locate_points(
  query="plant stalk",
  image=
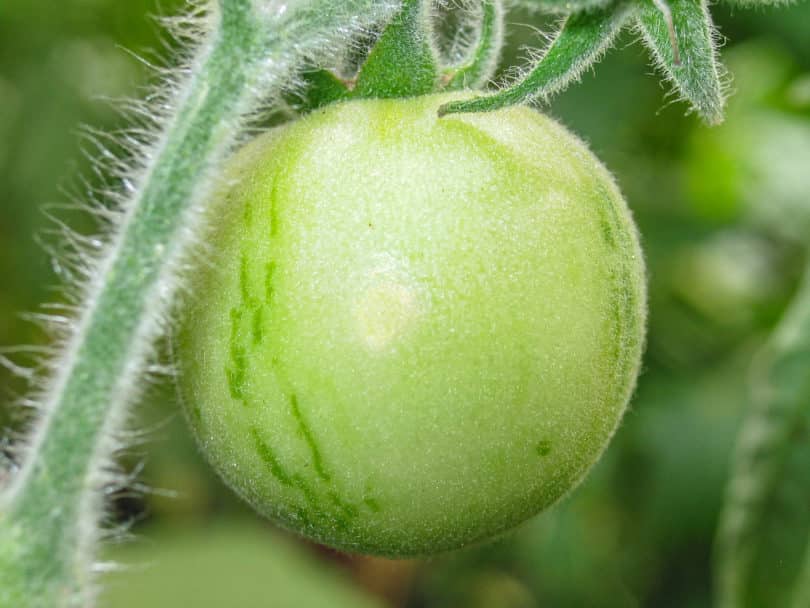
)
(51, 509)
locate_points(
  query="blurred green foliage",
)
(724, 215)
(261, 569)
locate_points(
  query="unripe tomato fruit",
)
(412, 333)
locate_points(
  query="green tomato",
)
(412, 333)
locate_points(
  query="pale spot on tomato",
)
(384, 312)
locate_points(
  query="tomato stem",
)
(51, 509)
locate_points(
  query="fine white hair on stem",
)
(235, 56)
(693, 70)
(663, 7)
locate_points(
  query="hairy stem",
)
(582, 39)
(50, 511)
(483, 61)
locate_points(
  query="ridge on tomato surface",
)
(412, 332)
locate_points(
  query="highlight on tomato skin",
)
(413, 333)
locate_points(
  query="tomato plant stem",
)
(50, 511)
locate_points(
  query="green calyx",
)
(405, 62)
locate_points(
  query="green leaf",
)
(762, 544)
(580, 42)
(683, 46)
(484, 59)
(403, 62)
(320, 88)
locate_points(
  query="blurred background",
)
(723, 214)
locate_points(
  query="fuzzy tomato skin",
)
(412, 333)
